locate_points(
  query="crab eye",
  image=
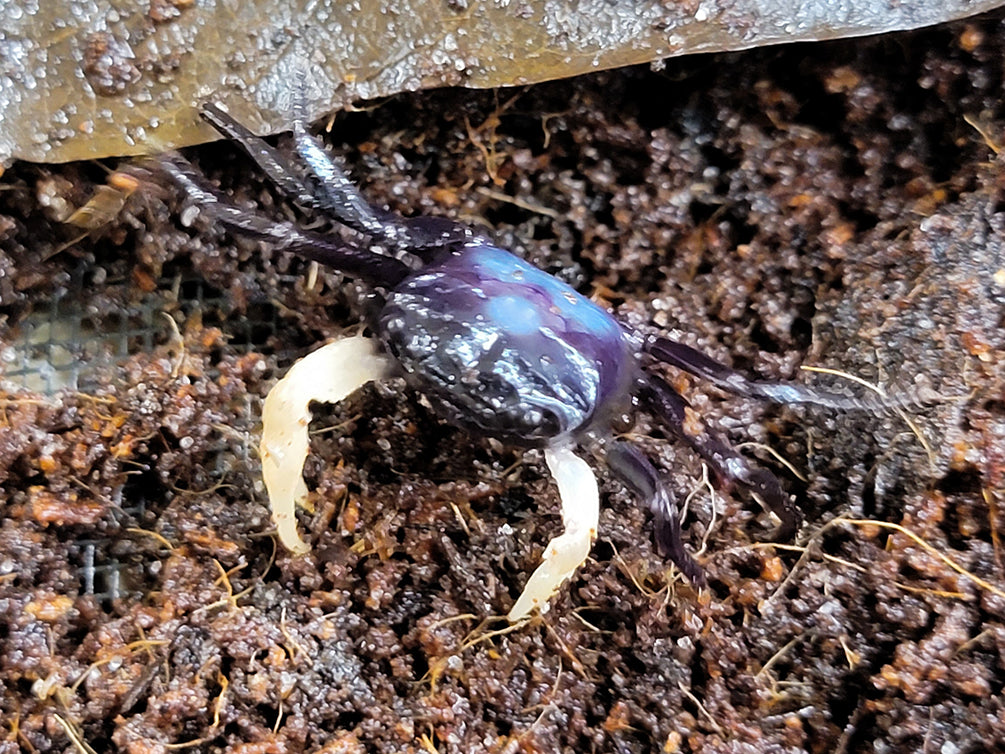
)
(506, 349)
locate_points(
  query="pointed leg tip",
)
(697, 577)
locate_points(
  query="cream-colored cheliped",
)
(326, 375)
(577, 488)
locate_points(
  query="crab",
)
(498, 347)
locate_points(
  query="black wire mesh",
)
(66, 345)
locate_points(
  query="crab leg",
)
(730, 467)
(269, 159)
(577, 488)
(638, 474)
(787, 393)
(329, 250)
(326, 375)
(335, 192)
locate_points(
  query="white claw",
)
(577, 488)
(326, 375)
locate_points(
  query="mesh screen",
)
(63, 344)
